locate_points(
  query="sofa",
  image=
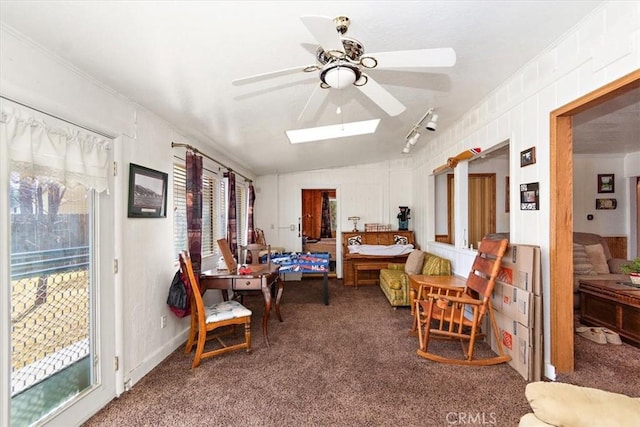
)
(592, 260)
(568, 405)
(394, 280)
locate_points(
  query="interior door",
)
(482, 206)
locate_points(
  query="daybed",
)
(559, 404)
(394, 280)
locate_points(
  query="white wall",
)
(373, 192)
(585, 192)
(146, 261)
(601, 48)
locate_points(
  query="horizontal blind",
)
(180, 242)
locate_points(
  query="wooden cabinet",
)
(370, 238)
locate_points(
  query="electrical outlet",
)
(163, 321)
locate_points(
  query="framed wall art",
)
(147, 193)
(606, 203)
(528, 157)
(606, 183)
(530, 197)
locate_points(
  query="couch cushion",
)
(581, 262)
(414, 262)
(597, 258)
(392, 278)
(569, 405)
(436, 266)
(592, 239)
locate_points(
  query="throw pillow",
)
(355, 240)
(581, 263)
(569, 405)
(400, 240)
(414, 262)
(597, 258)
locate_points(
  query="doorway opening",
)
(319, 222)
(561, 218)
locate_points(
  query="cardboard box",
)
(516, 304)
(516, 342)
(521, 268)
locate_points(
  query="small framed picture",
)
(606, 204)
(528, 157)
(606, 183)
(147, 193)
(530, 196)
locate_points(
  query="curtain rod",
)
(195, 150)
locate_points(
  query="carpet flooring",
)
(350, 363)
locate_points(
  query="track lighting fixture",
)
(413, 135)
(433, 123)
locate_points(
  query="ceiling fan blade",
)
(314, 101)
(324, 31)
(271, 74)
(440, 57)
(452, 162)
(380, 96)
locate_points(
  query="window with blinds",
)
(213, 210)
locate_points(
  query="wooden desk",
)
(611, 304)
(416, 281)
(264, 278)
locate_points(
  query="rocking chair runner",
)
(459, 315)
(206, 320)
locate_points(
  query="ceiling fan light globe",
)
(339, 77)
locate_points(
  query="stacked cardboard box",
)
(517, 305)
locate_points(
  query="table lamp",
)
(355, 220)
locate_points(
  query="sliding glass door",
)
(61, 294)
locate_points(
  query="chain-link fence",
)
(50, 323)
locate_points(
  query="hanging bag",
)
(179, 296)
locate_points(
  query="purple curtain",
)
(193, 165)
(325, 224)
(232, 235)
(250, 230)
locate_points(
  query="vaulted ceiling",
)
(178, 59)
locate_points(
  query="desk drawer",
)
(247, 284)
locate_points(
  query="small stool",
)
(367, 266)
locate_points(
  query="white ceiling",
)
(178, 58)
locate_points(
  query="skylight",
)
(332, 131)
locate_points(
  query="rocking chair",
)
(459, 315)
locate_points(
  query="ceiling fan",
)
(341, 62)
(452, 162)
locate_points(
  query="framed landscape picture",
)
(147, 193)
(606, 183)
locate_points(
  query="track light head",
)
(433, 123)
(413, 139)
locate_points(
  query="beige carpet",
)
(347, 364)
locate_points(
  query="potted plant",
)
(633, 270)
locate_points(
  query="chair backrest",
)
(259, 236)
(232, 264)
(485, 269)
(197, 305)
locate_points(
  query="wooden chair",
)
(208, 319)
(458, 314)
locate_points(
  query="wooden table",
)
(612, 304)
(263, 278)
(416, 281)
